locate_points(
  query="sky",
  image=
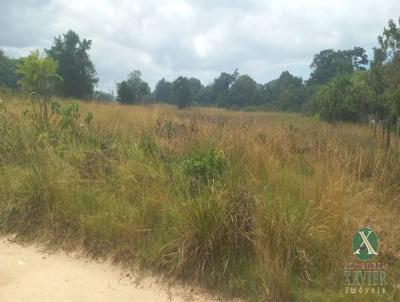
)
(196, 38)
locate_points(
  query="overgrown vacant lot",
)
(258, 205)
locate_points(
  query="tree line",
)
(344, 85)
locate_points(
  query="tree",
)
(195, 88)
(362, 94)
(345, 98)
(221, 86)
(205, 96)
(292, 92)
(358, 57)
(389, 41)
(392, 94)
(74, 65)
(330, 63)
(103, 96)
(242, 92)
(224, 81)
(162, 91)
(285, 93)
(385, 77)
(181, 92)
(133, 90)
(38, 74)
(376, 70)
(8, 76)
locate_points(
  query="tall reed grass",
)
(257, 205)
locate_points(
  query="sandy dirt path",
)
(29, 274)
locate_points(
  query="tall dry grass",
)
(257, 205)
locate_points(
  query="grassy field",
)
(261, 206)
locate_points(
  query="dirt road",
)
(31, 275)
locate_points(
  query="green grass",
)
(257, 205)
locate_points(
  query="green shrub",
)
(205, 166)
(148, 144)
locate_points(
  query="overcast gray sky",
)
(196, 38)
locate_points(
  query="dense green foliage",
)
(8, 76)
(195, 88)
(347, 98)
(74, 65)
(103, 96)
(242, 92)
(162, 91)
(329, 64)
(286, 93)
(182, 92)
(388, 66)
(38, 75)
(133, 90)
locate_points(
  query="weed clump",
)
(205, 166)
(148, 144)
(212, 239)
(171, 129)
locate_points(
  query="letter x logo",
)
(365, 244)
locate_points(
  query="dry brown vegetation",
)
(258, 205)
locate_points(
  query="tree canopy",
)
(133, 90)
(329, 63)
(195, 88)
(38, 74)
(389, 65)
(8, 76)
(285, 93)
(242, 91)
(162, 91)
(346, 98)
(352, 95)
(74, 65)
(181, 92)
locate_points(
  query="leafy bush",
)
(147, 144)
(38, 75)
(205, 166)
(344, 98)
(60, 118)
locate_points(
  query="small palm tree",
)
(38, 74)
